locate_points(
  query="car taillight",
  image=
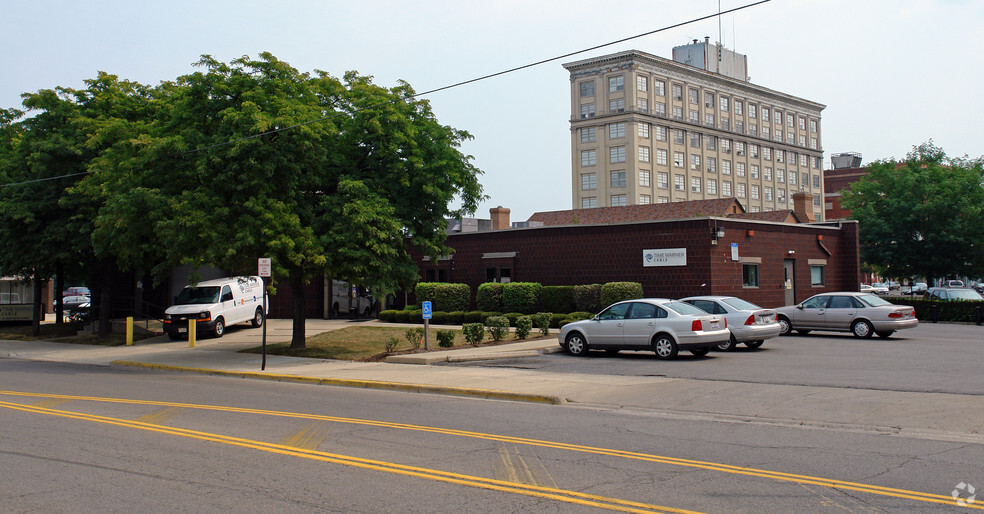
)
(725, 322)
(900, 314)
(695, 326)
(750, 320)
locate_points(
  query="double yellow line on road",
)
(713, 466)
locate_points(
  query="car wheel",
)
(784, 326)
(575, 344)
(665, 347)
(885, 333)
(754, 344)
(862, 328)
(257, 319)
(219, 328)
(728, 346)
(700, 352)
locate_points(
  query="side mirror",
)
(800, 306)
(595, 318)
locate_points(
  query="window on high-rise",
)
(642, 83)
(618, 201)
(589, 202)
(588, 88)
(616, 154)
(617, 178)
(616, 130)
(589, 181)
(587, 134)
(616, 83)
(588, 157)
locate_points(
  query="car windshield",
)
(684, 308)
(740, 304)
(198, 295)
(872, 300)
(965, 294)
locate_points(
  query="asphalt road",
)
(88, 438)
(943, 358)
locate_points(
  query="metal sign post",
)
(265, 268)
(428, 313)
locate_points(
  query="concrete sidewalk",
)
(925, 415)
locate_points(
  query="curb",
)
(423, 358)
(488, 394)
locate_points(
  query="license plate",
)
(715, 325)
(182, 330)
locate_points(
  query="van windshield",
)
(198, 295)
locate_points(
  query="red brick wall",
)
(572, 255)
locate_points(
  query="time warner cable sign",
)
(664, 257)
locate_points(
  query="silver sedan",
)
(862, 314)
(749, 323)
(655, 324)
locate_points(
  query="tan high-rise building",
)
(645, 129)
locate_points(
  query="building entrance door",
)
(789, 282)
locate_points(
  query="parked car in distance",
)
(954, 283)
(952, 294)
(76, 291)
(916, 289)
(659, 325)
(862, 314)
(865, 288)
(748, 323)
(879, 288)
(72, 302)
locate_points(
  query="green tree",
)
(921, 216)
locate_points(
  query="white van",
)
(342, 292)
(214, 305)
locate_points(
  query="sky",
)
(893, 74)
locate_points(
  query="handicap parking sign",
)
(427, 309)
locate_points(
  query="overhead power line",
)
(439, 89)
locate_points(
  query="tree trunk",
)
(57, 296)
(297, 294)
(105, 324)
(36, 316)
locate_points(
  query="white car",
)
(748, 323)
(862, 314)
(879, 288)
(659, 325)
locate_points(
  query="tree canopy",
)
(230, 163)
(921, 216)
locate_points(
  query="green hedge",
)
(521, 296)
(388, 316)
(489, 297)
(444, 296)
(929, 310)
(557, 299)
(614, 292)
(588, 298)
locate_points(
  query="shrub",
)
(388, 315)
(439, 317)
(555, 320)
(474, 332)
(392, 344)
(542, 321)
(444, 296)
(487, 315)
(512, 317)
(401, 317)
(557, 299)
(578, 316)
(613, 292)
(524, 325)
(489, 297)
(564, 322)
(498, 327)
(445, 338)
(455, 318)
(412, 307)
(414, 336)
(520, 296)
(415, 316)
(588, 297)
(473, 317)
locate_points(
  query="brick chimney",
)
(803, 207)
(500, 217)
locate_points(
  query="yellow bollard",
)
(192, 325)
(129, 331)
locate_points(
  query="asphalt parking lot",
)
(938, 358)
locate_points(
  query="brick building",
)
(673, 250)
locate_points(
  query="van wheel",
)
(219, 328)
(257, 318)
